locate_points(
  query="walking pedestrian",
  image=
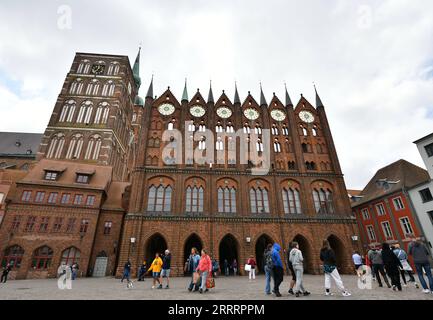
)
(75, 267)
(252, 273)
(268, 267)
(419, 253)
(126, 274)
(292, 271)
(375, 257)
(215, 267)
(156, 267)
(166, 264)
(142, 271)
(406, 269)
(194, 260)
(235, 267)
(357, 261)
(327, 256)
(5, 273)
(278, 270)
(226, 267)
(392, 264)
(297, 261)
(205, 270)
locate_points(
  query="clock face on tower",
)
(98, 69)
(224, 112)
(197, 111)
(251, 114)
(306, 116)
(166, 109)
(278, 115)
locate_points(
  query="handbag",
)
(210, 283)
(247, 267)
(406, 265)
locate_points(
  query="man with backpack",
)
(269, 265)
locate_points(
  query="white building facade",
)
(422, 195)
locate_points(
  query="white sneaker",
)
(426, 291)
(153, 287)
(329, 294)
(346, 294)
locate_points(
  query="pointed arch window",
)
(194, 199)
(259, 200)
(85, 112)
(227, 200)
(285, 131)
(277, 146)
(259, 146)
(304, 131)
(170, 125)
(291, 201)
(76, 86)
(219, 128)
(314, 130)
(274, 130)
(84, 67)
(113, 68)
(75, 147)
(70, 256)
(101, 114)
(323, 201)
(108, 88)
(230, 128)
(258, 129)
(41, 259)
(191, 127)
(247, 129)
(93, 148)
(202, 128)
(202, 144)
(56, 146)
(13, 256)
(159, 199)
(67, 113)
(219, 144)
(93, 87)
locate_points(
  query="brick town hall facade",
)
(103, 189)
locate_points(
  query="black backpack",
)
(268, 259)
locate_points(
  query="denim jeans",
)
(268, 275)
(203, 280)
(427, 268)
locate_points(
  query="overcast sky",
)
(371, 60)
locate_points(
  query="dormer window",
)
(83, 178)
(51, 175)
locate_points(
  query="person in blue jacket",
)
(194, 260)
(278, 270)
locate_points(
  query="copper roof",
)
(406, 174)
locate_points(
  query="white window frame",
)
(365, 214)
(396, 200)
(404, 226)
(380, 212)
(370, 232)
(387, 230)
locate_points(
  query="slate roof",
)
(407, 174)
(19, 144)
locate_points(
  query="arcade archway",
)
(261, 244)
(305, 247)
(228, 250)
(155, 244)
(338, 247)
(193, 241)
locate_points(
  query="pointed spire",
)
(210, 96)
(262, 97)
(318, 100)
(136, 69)
(236, 100)
(288, 100)
(185, 93)
(149, 93)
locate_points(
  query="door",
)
(100, 267)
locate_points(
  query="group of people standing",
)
(273, 266)
(392, 261)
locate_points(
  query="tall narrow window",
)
(84, 67)
(41, 258)
(226, 200)
(93, 148)
(56, 146)
(194, 199)
(323, 201)
(75, 146)
(159, 199)
(259, 200)
(85, 112)
(67, 113)
(291, 201)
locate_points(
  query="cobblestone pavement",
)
(231, 288)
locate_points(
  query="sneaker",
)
(291, 292)
(394, 288)
(201, 290)
(329, 294)
(160, 286)
(153, 287)
(346, 294)
(426, 291)
(189, 289)
(405, 285)
(306, 293)
(167, 287)
(277, 294)
(297, 294)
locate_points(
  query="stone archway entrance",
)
(305, 247)
(338, 247)
(155, 243)
(193, 241)
(261, 244)
(228, 251)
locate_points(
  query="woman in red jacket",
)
(205, 269)
(252, 262)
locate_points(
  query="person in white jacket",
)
(297, 260)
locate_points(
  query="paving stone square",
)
(231, 288)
